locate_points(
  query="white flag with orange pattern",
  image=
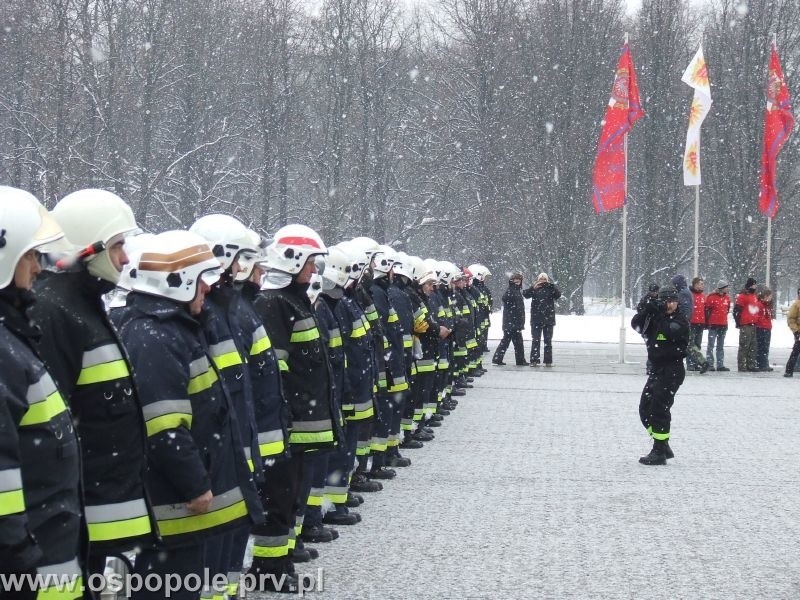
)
(695, 76)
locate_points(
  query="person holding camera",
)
(513, 322)
(543, 294)
(793, 321)
(666, 332)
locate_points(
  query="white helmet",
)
(479, 271)
(402, 265)
(172, 263)
(24, 225)
(431, 264)
(357, 258)
(291, 247)
(384, 260)
(227, 236)
(338, 266)
(448, 272)
(366, 245)
(134, 246)
(428, 276)
(418, 266)
(315, 284)
(245, 260)
(93, 216)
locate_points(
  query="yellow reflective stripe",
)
(68, 591)
(271, 551)
(425, 368)
(335, 342)
(358, 332)
(271, 448)
(119, 529)
(400, 387)
(408, 343)
(304, 336)
(314, 500)
(202, 382)
(261, 345)
(229, 359)
(310, 437)
(168, 421)
(12, 502)
(44, 411)
(393, 318)
(361, 413)
(199, 522)
(105, 372)
(282, 365)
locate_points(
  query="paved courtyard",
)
(532, 489)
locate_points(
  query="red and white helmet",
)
(291, 248)
(171, 265)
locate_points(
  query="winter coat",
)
(717, 307)
(40, 506)
(226, 343)
(357, 402)
(193, 436)
(685, 300)
(543, 303)
(698, 309)
(331, 330)
(392, 334)
(269, 405)
(766, 313)
(793, 317)
(464, 322)
(745, 308)
(83, 352)
(666, 336)
(405, 319)
(513, 308)
(303, 358)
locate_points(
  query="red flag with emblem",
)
(624, 109)
(778, 125)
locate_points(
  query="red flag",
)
(622, 112)
(778, 124)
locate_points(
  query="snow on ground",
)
(532, 489)
(601, 323)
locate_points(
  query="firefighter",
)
(88, 361)
(199, 481)
(40, 508)
(285, 310)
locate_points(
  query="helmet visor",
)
(211, 276)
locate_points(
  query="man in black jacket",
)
(666, 332)
(513, 322)
(543, 294)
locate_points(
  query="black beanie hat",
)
(667, 293)
(750, 284)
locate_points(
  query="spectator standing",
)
(513, 322)
(793, 321)
(717, 307)
(766, 312)
(697, 322)
(745, 311)
(543, 294)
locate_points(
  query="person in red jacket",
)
(745, 311)
(717, 308)
(766, 312)
(697, 322)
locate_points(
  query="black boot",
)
(668, 451)
(657, 456)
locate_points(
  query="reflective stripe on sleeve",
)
(44, 400)
(167, 414)
(116, 521)
(105, 363)
(176, 519)
(261, 341)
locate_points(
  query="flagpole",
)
(769, 219)
(622, 329)
(697, 231)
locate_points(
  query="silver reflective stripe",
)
(224, 347)
(248, 453)
(198, 367)
(10, 480)
(304, 324)
(270, 436)
(259, 334)
(362, 406)
(70, 567)
(166, 512)
(330, 490)
(166, 407)
(406, 337)
(335, 333)
(281, 354)
(121, 511)
(103, 354)
(300, 426)
(39, 391)
(358, 323)
(270, 541)
(399, 380)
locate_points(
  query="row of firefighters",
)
(174, 394)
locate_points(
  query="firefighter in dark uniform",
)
(429, 332)
(285, 310)
(88, 361)
(230, 340)
(666, 332)
(396, 383)
(198, 478)
(40, 507)
(438, 308)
